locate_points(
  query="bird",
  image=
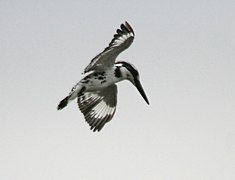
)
(96, 93)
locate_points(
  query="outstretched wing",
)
(98, 107)
(121, 41)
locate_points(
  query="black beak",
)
(141, 90)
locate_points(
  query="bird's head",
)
(128, 71)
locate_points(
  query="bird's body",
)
(97, 91)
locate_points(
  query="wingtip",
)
(129, 27)
(126, 23)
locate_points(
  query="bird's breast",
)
(99, 80)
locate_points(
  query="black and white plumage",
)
(121, 41)
(96, 93)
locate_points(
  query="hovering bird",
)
(96, 93)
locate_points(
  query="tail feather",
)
(77, 90)
(63, 103)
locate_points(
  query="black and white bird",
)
(96, 93)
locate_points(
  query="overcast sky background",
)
(185, 53)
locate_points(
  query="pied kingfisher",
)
(96, 93)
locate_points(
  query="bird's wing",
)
(98, 107)
(121, 41)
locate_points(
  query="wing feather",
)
(120, 42)
(98, 108)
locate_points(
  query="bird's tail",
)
(63, 103)
(76, 90)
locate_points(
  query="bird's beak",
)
(141, 90)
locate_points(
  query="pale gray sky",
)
(184, 51)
